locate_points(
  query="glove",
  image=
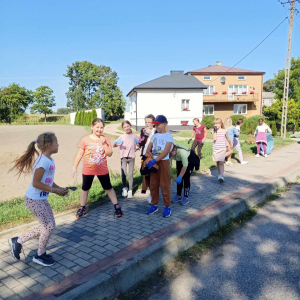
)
(118, 142)
(179, 179)
(151, 163)
(59, 191)
(215, 128)
(136, 141)
(189, 141)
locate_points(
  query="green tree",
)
(269, 85)
(274, 128)
(14, 100)
(44, 100)
(63, 111)
(294, 83)
(94, 86)
(76, 118)
(94, 113)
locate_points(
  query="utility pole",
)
(287, 70)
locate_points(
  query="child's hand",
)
(215, 128)
(102, 140)
(151, 163)
(189, 141)
(74, 172)
(179, 179)
(136, 141)
(204, 140)
(118, 142)
(60, 191)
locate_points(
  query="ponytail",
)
(25, 163)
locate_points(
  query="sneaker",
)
(185, 201)
(266, 155)
(167, 212)
(118, 211)
(256, 155)
(129, 195)
(221, 179)
(81, 212)
(176, 199)
(244, 162)
(228, 163)
(149, 199)
(153, 209)
(44, 260)
(15, 247)
(125, 192)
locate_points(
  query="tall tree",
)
(14, 100)
(63, 111)
(93, 86)
(44, 100)
(269, 85)
(294, 84)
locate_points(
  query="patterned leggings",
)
(42, 211)
(199, 144)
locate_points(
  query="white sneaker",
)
(129, 195)
(149, 199)
(244, 162)
(256, 155)
(221, 179)
(125, 192)
(228, 163)
(266, 155)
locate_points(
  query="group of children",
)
(157, 149)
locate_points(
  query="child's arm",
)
(166, 152)
(236, 132)
(228, 140)
(77, 161)
(107, 147)
(205, 135)
(193, 134)
(149, 149)
(36, 183)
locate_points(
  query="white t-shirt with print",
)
(48, 165)
(159, 141)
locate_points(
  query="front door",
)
(230, 91)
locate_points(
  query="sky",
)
(140, 40)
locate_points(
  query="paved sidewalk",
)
(85, 248)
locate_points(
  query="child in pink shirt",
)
(127, 142)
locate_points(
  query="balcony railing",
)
(231, 98)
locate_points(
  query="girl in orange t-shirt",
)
(94, 148)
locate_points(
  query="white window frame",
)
(241, 77)
(209, 91)
(207, 78)
(204, 106)
(238, 109)
(185, 103)
(237, 87)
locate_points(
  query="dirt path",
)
(15, 139)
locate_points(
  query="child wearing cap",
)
(160, 145)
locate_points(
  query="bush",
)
(247, 127)
(297, 127)
(234, 118)
(208, 121)
(94, 114)
(274, 128)
(254, 120)
(63, 111)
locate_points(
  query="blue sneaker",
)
(153, 209)
(185, 201)
(176, 199)
(167, 212)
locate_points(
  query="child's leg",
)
(194, 145)
(229, 152)
(179, 186)
(131, 162)
(265, 148)
(124, 171)
(42, 211)
(187, 180)
(154, 185)
(221, 168)
(165, 184)
(200, 145)
(258, 147)
(87, 181)
(239, 150)
(106, 185)
(218, 166)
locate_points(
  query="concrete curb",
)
(123, 276)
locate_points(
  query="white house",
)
(268, 98)
(99, 111)
(177, 96)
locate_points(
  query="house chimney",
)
(176, 72)
(218, 63)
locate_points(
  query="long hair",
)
(219, 121)
(126, 122)
(227, 123)
(24, 163)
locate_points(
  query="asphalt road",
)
(259, 261)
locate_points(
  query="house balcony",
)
(231, 98)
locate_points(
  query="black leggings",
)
(186, 183)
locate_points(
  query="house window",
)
(238, 89)
(209, 91)
(240, 109)
(206, 78)
(208, 110)
(185, 104)
(241, 77)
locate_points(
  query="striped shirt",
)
(220, 142)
